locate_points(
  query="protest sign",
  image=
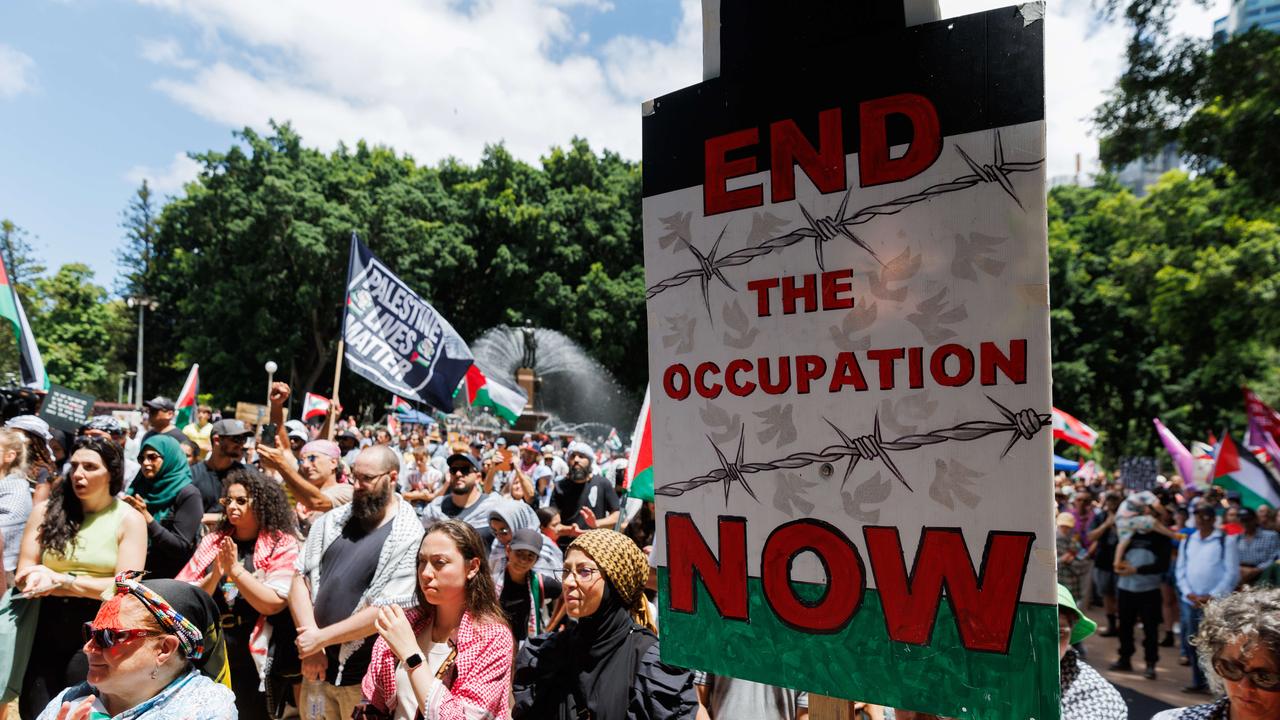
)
(66, 409)
(395, 339)
(1138, 472)
(252, 413)
(847, 301)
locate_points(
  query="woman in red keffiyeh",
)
(449, 658)
(247, 566)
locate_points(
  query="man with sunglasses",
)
(226, 442)
(466, 500)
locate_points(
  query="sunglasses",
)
(1265, 680)
(106, 638)
(241, 501)
(461, 470)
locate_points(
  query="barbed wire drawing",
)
(825, 229)
(1021, 425)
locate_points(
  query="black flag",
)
(395, 339)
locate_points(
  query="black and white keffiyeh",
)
(1086, 695)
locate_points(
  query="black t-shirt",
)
(346, 569)
(517, 602)
(171, 541)
(570, 497)
(1105, 557)
(209, 482)
(240, 606)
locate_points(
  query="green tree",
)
(73, 326)
(141, 226)
(249, 262)
(1162, 306)
(20, 262)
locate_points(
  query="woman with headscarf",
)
(247, 566)
(72, 548)
(448, 658)
(1238, 646)
(505, 519)
(170, 504)
(605, 666)
(154, 652)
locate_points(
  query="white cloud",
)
(166, 51)
(431, 78)
(168, 180)
(17, 71)
(442, 77)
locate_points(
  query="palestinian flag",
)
(507, 403)
(314, 405)
(400, 405)
(1241, 472)
(640, 464)
(186, 402)
(1071, 430)
(30, 362)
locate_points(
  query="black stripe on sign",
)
(980, 71)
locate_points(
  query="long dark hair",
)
(39, 457)
(64, 513)
(481, 595)
(269, 506)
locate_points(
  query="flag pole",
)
(337, 379)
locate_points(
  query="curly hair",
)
(1251, 615)
(270, 506)
(64, 514)
(38, 457)
(481, 594)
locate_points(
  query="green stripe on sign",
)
(860, 662)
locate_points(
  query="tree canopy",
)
(249, 262)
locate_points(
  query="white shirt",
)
(406, 700)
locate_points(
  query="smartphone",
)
(504, 462)
(269, 435)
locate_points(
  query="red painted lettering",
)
(1013, 365)
(875, 167)
(675, 382)
(886, 358)
(847, 372)
(731, 371)
(938, 365)
(719, 170)
(761, 288)
(806, 291)
(808, 369)
(688, 557)
(824, 165)
(835, 282)
(983, 603)
(711, 391)
(846, 578)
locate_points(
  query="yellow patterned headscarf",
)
(623, 565)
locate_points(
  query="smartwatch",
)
(413, 661)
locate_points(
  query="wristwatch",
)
(413, 661)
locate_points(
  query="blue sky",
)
(97, 94)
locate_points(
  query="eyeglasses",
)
(106, 638)
(241, 501)
(501, 533)
(1262, 679)
(582, 573)
(368, 479)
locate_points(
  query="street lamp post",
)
(142, 302)
(130, 375)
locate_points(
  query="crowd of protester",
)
(443, 575)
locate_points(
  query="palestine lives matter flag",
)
(187, 399)
(30, 362)
(1241, 472)
(395, 339)
(506, 402)
(846, 271)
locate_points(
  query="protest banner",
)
(252, 413)
(847, 299)
(66, 409)
(1138, 472)
(395, 339)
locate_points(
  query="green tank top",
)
(94, 550)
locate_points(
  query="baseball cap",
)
(464, 457)
(527, 539)
(349, 435)
(546, 452)
(230, 427)
(297, 430)
(105, 423)
(1066, 519)
(159, 402)
(501, 442)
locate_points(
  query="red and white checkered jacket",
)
(480, 686)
